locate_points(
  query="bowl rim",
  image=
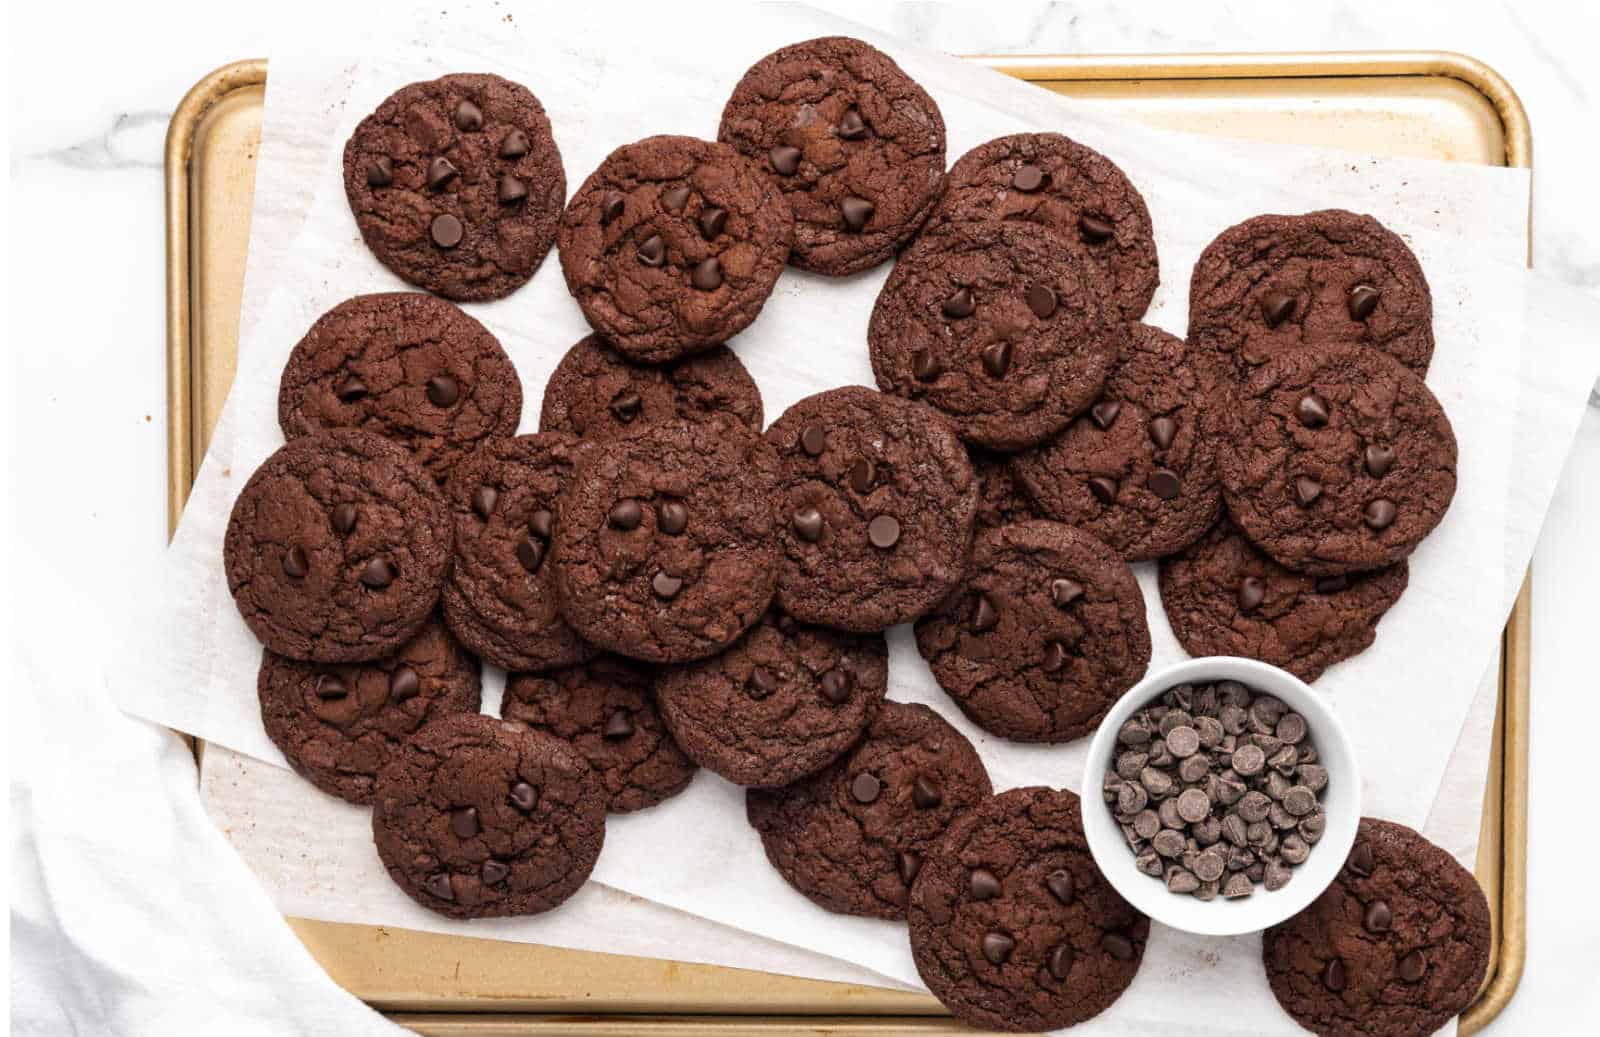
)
(1260, 910)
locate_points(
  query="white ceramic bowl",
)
(1341, 802)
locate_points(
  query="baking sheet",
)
(1473, 377)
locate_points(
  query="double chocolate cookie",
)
(666, 546)
(1337, 459)
(605, 709)
(1397, 945)
(1223, 596)
(500, 600)
(338, 725)
(457, 185)
(673, 245)
(1000, 326)
(853, 837)
(1045, 634)
(1273, 284)
(407, 366)
(596, 392)
(1136, 471)
(875, 509)
(1072, 190)
(856, 146)
(337, 548)
(1012, 925)
(479, 818)
(784, 701)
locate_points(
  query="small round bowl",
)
(1341, 803)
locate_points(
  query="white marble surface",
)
(93, 85)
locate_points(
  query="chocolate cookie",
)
(1337, 459)
(853, 837)
(501, 598)
(337, 548)
(1001, 500)
(666, 549)
(479, 818)
(855, 144)
(998, 327)
(1223, 596)
(407, 366)
(338, 725)
(1136, 470)
(457, 185)
(1071, 190)
(1012, 925)
(1397, 945)
(672, 246)
(1045, 634)
(605, 709)
(875, 511)
(1273, 284)
(596, 392)
(783, 702)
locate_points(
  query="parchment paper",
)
(1511, 370)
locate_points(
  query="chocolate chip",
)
(1252, 591)
(625, 406)
(1276, 307)
(984, 616)
(807, 524)
(469, 117)
(1378, 917)
(862, 476)
(761, 683)
(1105, 412)
(1060, 961)
(673, 199)
(1118, 946)
(707, 274)
(446, 231)
(665, 584)
(344, 518)
(330, 687)
(1042, 301)
(1248, 760)
(1059, 882)
(618, 725)
(909, 864)
(464, 822)
(493, 872)
(1064, 592)
(1094, 229)
(813, 440)
(611, 207)
(441, 172)
(997, 358)
(1104, 489)
(1182, 741)
(1379, 459)
(784, 159)
(1163, 431)
(672, 517)
(851, 125)
(1379, 513)
(1360, 860)
(530, 554)
(1239, 884)
(541, 523)
(1413, 967)
(925, 794)
(442, 390)
(352, 389)
(378, 574)
(883, 532)
(438, 884)
(1333, 976)
(625, 514)
(484, 499)
(959, 304)
(835, 685)
(1180, 880)
(380, 172)
(1306, 490)
(1055, 657)
(515, 145)
(295, 562)
(712, 222)
(404, 684)
(856, 212)
(510, 190)
(653, 251)
(1028, 178)
(1363, 300)
(982, 884)
(1164, 483)
(1312, 411)
(925, 367)
(865, 787)
(997, 947)
(523, 796)
(1332, 584)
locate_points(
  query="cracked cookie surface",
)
(500, 599)
(337, 548)
(1042, 637)
(479, 817)
(672, 246)
(1001, 498)
(1396, 946)
(1012, 925)
(605, 708)
(853, 836)
(456, 185)
(856, 146)
(782, 702)
(998, 326)
(338, 725)
(407, 366)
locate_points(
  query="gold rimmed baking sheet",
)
(1420, 104)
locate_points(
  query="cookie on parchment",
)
(407, 366)
(337, 548)
(457, 185)
(853, 836)
(855, 144)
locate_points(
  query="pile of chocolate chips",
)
(1216, 789)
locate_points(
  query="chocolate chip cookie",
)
(1136, 470)
(1012, 925)
(666, 549)
(1338, 459)
(1045, 634)
(1071, 190)
(856, 146)
(672, 246)
(1396, 946)
(783, 702)
(501, 598)
(596, 392)
(457, 185)
(1223, 596)
(875, 509)
(479, 818)
(1273, 284)
(338, 725)
(337, 548)
(407, 366)
(996, 325)
(606, 710)
(853, 837)
(1001, 499)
